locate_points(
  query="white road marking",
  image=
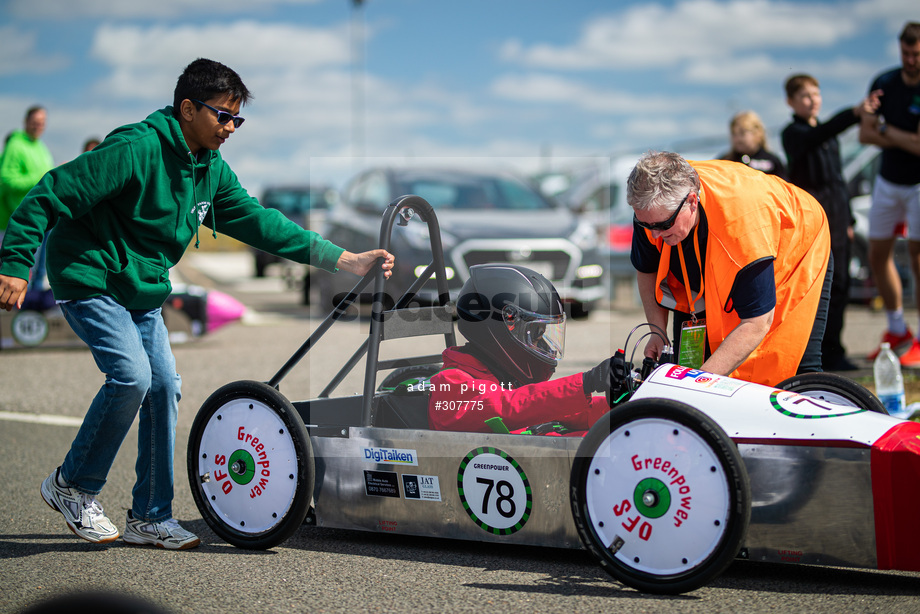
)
(40, 419)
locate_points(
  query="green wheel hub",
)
(242, 467)
(652, 498)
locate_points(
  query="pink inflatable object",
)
(222, 310)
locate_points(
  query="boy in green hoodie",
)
(119, 218)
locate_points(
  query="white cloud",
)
(538, 88)
(302, 82)
(242, 43)
(146, 61)
(764, 68)
(651, 35)
(894, 12)
(700, 61)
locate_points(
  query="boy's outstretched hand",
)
(12, 292)
(361, 263)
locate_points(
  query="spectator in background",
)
(813, 154)
(25, 159)
(90, 144)
(896, 194)
(749, 145)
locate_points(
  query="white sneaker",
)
(82, 512)
(164, 534)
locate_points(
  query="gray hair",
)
(660, 179)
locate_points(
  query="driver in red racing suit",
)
(513, 321)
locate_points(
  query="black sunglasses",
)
(665, 225)
(222, 116)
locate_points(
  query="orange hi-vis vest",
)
(753, 216)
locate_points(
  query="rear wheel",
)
(660, 496)
(250, 465)
(834, 389)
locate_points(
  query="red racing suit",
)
(465, 393)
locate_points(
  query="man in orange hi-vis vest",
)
(749, 277)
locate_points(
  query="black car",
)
(305, 205)
(484, 217)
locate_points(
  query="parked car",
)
(598, 195)
(305, 205)
(484, 217)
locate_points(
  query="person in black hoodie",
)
(749, 145)
(813, 154)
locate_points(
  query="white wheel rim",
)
(685, 514)
(248, 466)
(828, 395)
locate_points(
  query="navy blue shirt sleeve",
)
(754, 291)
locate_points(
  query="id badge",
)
(692, 344)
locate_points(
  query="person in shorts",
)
(896, 194)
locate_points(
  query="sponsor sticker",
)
(392, 456)
(696, 379)
(381, 484)
(421, 487)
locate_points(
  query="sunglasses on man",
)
(222, 116)
(665, 225)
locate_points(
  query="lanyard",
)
(683, 267)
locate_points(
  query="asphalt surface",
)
(325, 570)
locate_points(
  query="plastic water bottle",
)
(889, 383)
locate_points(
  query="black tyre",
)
(660, 496)
(833, 388)
(250, 465)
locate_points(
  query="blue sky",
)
(539, 81)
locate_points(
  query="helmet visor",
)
(541, 334)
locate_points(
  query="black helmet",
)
(513, 316)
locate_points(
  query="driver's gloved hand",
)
(597, 379)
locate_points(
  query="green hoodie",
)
(123, 214)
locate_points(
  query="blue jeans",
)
(131, 347)
(38, 280)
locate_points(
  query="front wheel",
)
(660, 496)
(250, 465)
